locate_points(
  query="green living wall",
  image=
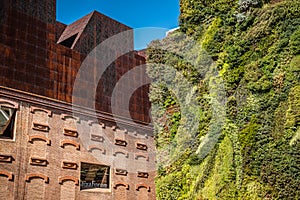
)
(247, 145)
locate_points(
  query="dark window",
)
(94, 176)
(69, 41)
(7, 121)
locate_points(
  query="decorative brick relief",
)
(40, 127)
(93, 147)
(66, 116)
(9, 175)
(140, 135)
(118, 184)
(141, 146)
(38, 161)
(41, 176)
(70, 142)
(69, 165)
(6, 158)
(138, 186)
(114, 128)
(91, 122)
(9, 104)
(120, 142)
(39, 137)
(122, 131)
(126, 154)
(141, 155)
(122, 172)
(70, 133)
(143, 175)
(33, 109)
(68, 178)
(97, 138)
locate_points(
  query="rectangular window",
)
(93, 176)
(7, 121)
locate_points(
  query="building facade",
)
(56, 142)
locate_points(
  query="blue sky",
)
(150, 19)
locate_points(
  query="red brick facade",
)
(40, 60)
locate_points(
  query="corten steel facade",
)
(42, 152)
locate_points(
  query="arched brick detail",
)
(122, 172)
(97, 138)
(121, 152)
(138, 155)
(6, 158)
(38, 161)
(8, 103)
(94, 147)
(120, 142)
(41, 176)
(136, 134)
(123, 131)
(68, 178)
(141, 146)
(66, 116)
(70, 142)
(33, 109)
(91, 122)
(138, 186)
(9, 175)
(118, 184)
(40, 127)
(69, 165)
(39, 137)
(143, 174)
(71, 133)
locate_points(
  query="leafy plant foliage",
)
(255, 46)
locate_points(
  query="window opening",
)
(7, 120)
(94, 176)
(69, 41)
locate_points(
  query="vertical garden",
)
(226, 101)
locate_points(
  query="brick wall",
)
(41, 135)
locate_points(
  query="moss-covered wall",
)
(255, 46)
